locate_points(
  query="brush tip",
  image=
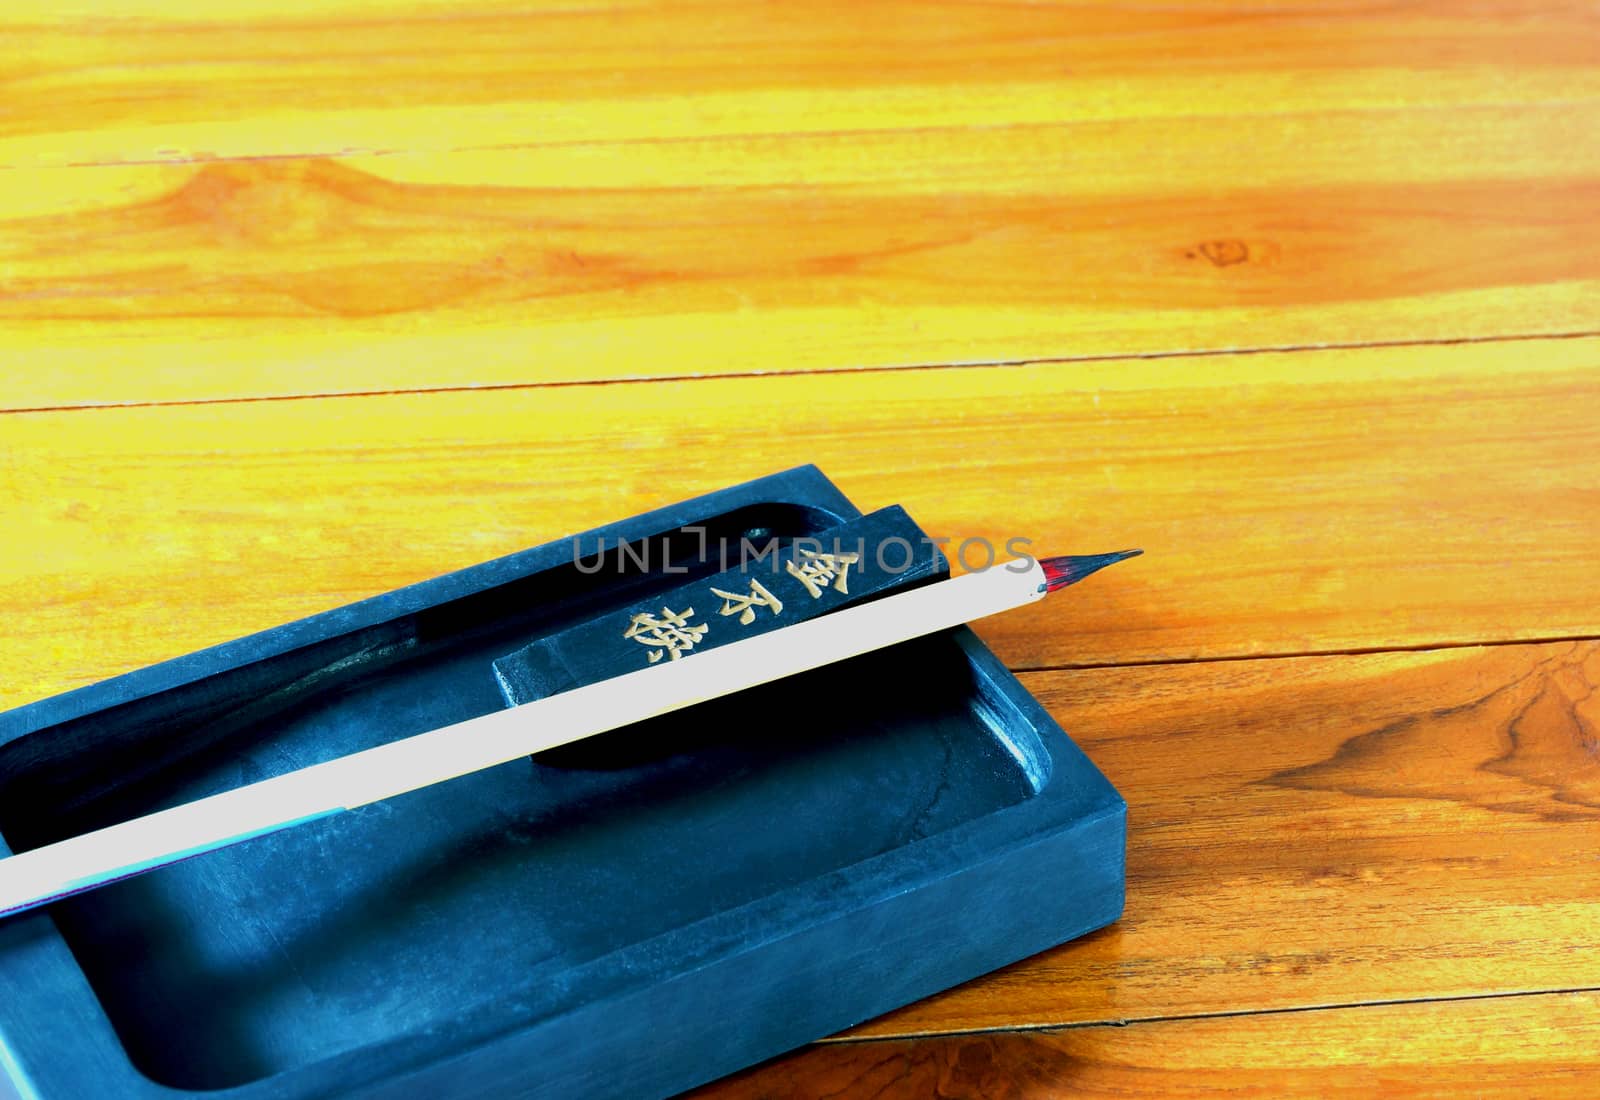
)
(1060, 572)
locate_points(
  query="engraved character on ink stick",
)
(671, 633)
(745, 606)
(821, 569)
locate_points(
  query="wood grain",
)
(178, 79)
(1292, 503)
(672, 236)
(795, 253)
(1515, 1047)
(1325, 831)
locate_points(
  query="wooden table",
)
(317, 298)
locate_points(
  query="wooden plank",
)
(1515, 1047)
(1323, 831)
(796, 253)
(175, 79)
(1288, 503)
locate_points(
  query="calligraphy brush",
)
(107, 855)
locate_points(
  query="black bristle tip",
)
(1060, 572)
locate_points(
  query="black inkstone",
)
(681, 899)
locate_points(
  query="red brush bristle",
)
(1060, 572)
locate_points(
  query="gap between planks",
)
(1289, 655)
(994, 364)
(1225, 1014)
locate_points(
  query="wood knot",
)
(274, 202)
(1223, 253)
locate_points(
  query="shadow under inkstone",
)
(910, 682)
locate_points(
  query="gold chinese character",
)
(671, 632)
(745, 606)
(819, 569)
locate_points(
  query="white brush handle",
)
(120, 851)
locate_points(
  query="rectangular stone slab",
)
(695, 894)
